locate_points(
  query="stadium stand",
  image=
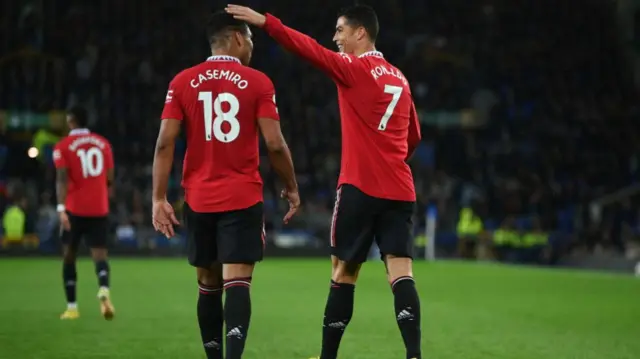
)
(528, 108)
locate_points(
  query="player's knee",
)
(398, 267)
(210, 278)
(237, 270)
(69, 255)
(334, 263)
(345, 272)
(99, 254)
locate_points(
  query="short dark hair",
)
(220, 22)
(362, 15)
(80, 115)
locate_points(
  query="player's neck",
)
(78, 131)
(364, 49)
(218, 52)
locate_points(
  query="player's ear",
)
(361, 33)
(238, 38)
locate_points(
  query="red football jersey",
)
(86, 156)
(220, 101)
(380, 127)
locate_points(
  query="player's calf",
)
(210, 315)
(237, 307)
(102, 269)
(339, 309)
(69, 279)
(406, 303)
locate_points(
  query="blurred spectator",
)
(470, 232)
(14, 223)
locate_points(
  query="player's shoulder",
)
(256, 75)
(375, 63)
(349, 59)
(368, 58)
(64, 141)
(381, 64)
(381, 67)
(187, 73)
(100, 138)
(61, 148)
(213, 69)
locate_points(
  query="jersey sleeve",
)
(108, 156)
(340, 67)
(172, 106)
(58, 157)
(266, 107)
(414, 136)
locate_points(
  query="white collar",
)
(373, 53)
(79, 131)
(223, 58)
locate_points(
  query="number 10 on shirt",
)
(91, 161)
(213, 108)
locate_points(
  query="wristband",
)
(60, 208)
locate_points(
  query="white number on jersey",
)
(92, 162)
(215, 124)
(396, 91)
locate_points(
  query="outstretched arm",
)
(337, 65)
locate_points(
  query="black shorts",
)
(94, 230)
(226, 237)
(359, 219)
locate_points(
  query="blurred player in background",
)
(84, 167)
(376, 194)
(222, 104)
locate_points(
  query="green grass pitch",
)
(470, 311)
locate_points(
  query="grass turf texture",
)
(470, 311)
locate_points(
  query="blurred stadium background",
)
(529, 112)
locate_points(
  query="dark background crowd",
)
(528, 109)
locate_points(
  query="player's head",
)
(357, 28)
(77, 117)
(229, 36)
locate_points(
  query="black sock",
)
(407, 305)
(102, 271)
(69, 278)
(237, 315)
(337, 315)
(210, 320)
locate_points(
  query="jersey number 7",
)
(396, 91)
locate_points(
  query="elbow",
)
(414, 144)
(163, 147)
(276, 146)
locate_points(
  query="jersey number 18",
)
(214, 125)
(212, 107)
